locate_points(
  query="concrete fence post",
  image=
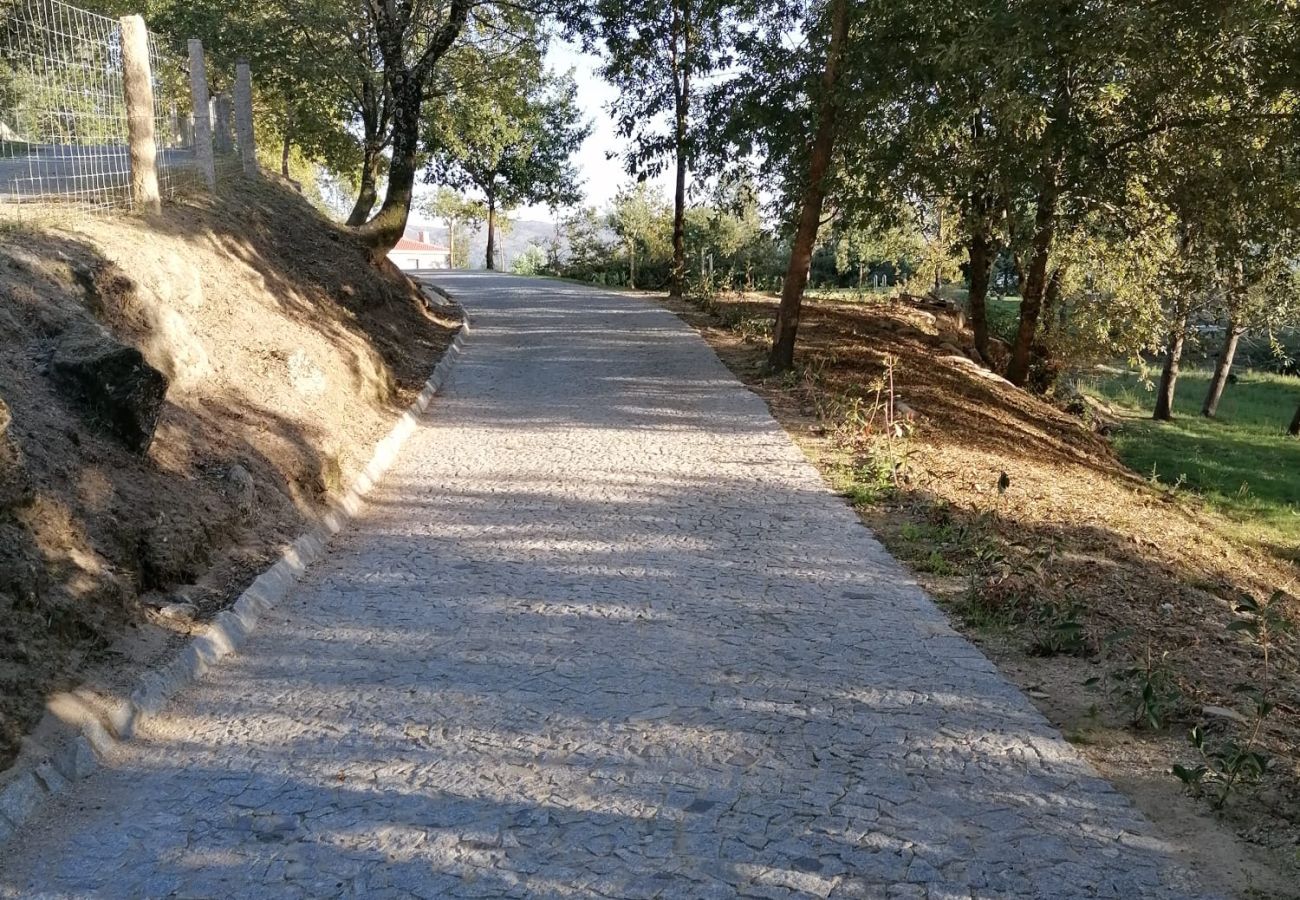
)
(202, 114)
(223, 112)
(137, 80)
(244, 118)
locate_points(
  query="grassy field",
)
(1243, 462)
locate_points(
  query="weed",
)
(1058, 630)
(735, 318)
(936, 564)
(1154, 689)
(872, 429)
(1148, 685)
(1235, 761)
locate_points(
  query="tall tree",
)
(511, 142)
(460, 214)
(812, 189)
(656, 52)
(635, 216)
(411, 38)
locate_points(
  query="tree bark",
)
(491, 233)
(1164, 410)
(1035, 285)
(392, 24)
(1221, 368)
(368, 190)
(375, 111)
(980, 251)
(810, 213)
(383, 231)
(1294, 428)
(285, 147)
(682, 89)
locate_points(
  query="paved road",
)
(77, 170)
(603, 633)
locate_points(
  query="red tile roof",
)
(408, 245)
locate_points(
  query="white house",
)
(419, 252)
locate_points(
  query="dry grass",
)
(287, 354)
(1146, 573)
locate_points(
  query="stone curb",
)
(85, 728)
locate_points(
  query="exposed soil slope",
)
(288, 356)
(1149, 576)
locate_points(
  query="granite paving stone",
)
(603, 631)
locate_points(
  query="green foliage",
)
(643, 224)
(1233, 761)
(531, 262)
(509, 138)
(588, 256)
(1148, 685)
(654, 54)
(306, 64)
(461, 215)
(1057, 630)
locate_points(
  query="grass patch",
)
(1243, 462)
(1003, 317)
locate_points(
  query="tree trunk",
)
(1051, 300)
(631, 265)
(492, 233)
(1221, 368)
(810, 213)
(981, 266)
(1294, 428)
(1164, 410)
(677, 287)
(389, 224)
(368, 191)
(1035, 285)
(405, 83)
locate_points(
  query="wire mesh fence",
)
(63, 112)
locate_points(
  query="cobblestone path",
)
(604, 632)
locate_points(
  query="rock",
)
(112, 382)
(243, 489)
(1222, 712)
(951, 349)
(178, 611)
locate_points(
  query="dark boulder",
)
(112, 383)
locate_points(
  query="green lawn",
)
(1243, 462)
(1004, 316)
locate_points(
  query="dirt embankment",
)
(286, 356)
(1106, 598)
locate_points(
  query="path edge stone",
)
(81, 728)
